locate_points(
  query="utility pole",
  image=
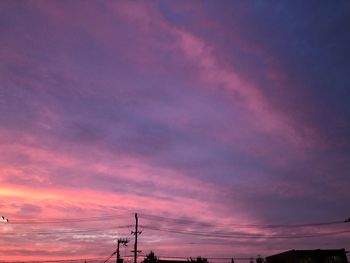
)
(122, 241)
(136, 233)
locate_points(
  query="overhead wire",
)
(182, 257)
(181, 222)
(186, 221)
(57, 232)
(55, 260)
(65, 220)
(190, 222)
(242, 235)
(109, 257)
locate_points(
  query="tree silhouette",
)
(198, 260)
(150, 258)
(259, 259)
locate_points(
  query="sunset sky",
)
(224, 124)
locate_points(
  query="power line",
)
(57, 232)
(180, 221)
(66, 220)
(186, 221)
(55, 260)
(181, 257)
(109, 257)
(238, 235)
(184, 232)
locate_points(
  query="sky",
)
(223, 124)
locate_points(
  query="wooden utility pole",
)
(136, 233)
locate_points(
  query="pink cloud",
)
(150, 25)
(248, 95)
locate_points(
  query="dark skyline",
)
(210, 117)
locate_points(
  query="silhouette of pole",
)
(136, 233)
(123, 241)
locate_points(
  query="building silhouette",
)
(310, 256)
